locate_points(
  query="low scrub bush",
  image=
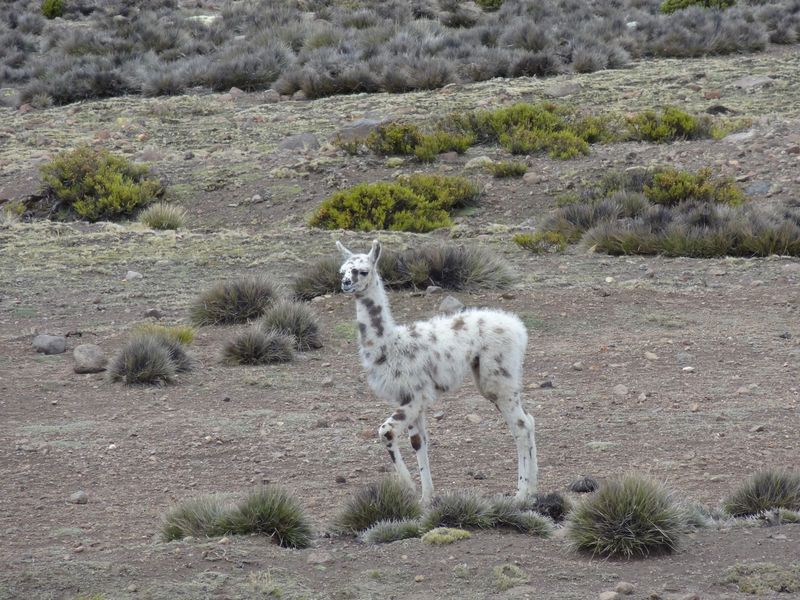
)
(627, 518)
(294, 319)
(388, 500)
(149, 360)
(541, 242)
(406, 139)
(95, 184)
(163, 216)
(53, 8)
(670, 6)
(668, 125)
(257, 347)
(764, 491)
(671, 187)
(236, 301)
(445, 535)
(508, 169)
(417, 203)
(205, 516)
(393, 530)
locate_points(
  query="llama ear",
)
(375, 252)
(345, 252)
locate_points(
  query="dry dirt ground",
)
(136, 451)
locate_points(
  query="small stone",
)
(132, 588)
(479, 162)
(450, 305)
(155, 313)
(683, 358)
(340, 479)
(89, 358)
(419, 578)
(300, 141)
(189, 155)
(651, 356)
(271, 97)
(438, 415)
(577, 366)
(473, 418)
(50, 344)
(546, 384)
(130, 275)
(609, 280)
(752, 81)
(319, 558)
(688, 369)
(567, 88)
(433, 289)
(623, 587)
(620, 390)
(608, 596)
(327, 382)
(235, 92)
(756, 428)
(695, 407)
(78, 497)
(299, 95)
(479, 476)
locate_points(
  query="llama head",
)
(358, 270)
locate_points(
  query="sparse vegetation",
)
(670, 6)
(258, 347)
(236, 301)
(541, 242)
(627, 518)
(163, 216)
(764, 578)
(179, 333)
(95, 184)
(384, 532)
(418, 203)
(445, 535)
(764, 491)
(271, 511)
(294, 319)
(508, 576)
(388, 500)
(406, 139)
(508, 169)
(668, 125)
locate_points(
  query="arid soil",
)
(136, 451)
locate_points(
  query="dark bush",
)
(763, 491)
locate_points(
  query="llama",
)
(411, 366)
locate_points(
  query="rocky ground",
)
(611, 336)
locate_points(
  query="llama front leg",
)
(388, 432)
(522, 428)
(419, 442)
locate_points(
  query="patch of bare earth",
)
(135, 451)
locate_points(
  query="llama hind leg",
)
(522, 425)
(419, 442)
(388, 434)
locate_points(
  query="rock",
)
(740, 136)
(473, 418)
(479, 162)
(301, 141)
(319, 558)
(563, 89)
(650, 356)
(327, 382)
(271, 97)
(78, 497)
(340, 479)
(236, 93)
(438, 415)
(688, 369)
(130, 275)
(393, 162)
(584, 485)
(758, 188)
(625, 588)
(683, 358)
(89, 358)
(620, 390)
(752, 81)
(25, 108)
(546, 384)
(188, 155)
(756, 428)
(153, 312)
(608, 596)
(450, 305)
(695, 407)
(577, 366)
(358, 130)
(299, 95)
(50, 344)
(433, 289)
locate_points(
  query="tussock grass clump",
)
(553, 505)
(417, 203)
(236, 301)
(180, 333)
(294, 319)
(205, 516)
(508, 576)
(505, 169)
(541, 242)
(462, 510)
(507, 512)
(95, 184)
(764, 491)
(319, 278)
(270, 511)
(670, 6)
(445, 535)
(163, 216)
(274, 512)
(258, 347)
(388, 500)
(629, 517)
(145, 359)
(384, 532)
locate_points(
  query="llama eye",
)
(363, 273)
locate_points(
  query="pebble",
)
(433, 289)
(154, 313)
(651, 356)
(610, 595)
(688, 369)
(419, 578)
(620, 390)
(50, 344)
(756, 428)
(89, 358)
(319, 558)
(450, 305)
(625, 588)
(132, 588)
(577, 366)
(340, 479)
(130, 275)
(78, 497)
(473, 418)
(695, 407)
(327, 382)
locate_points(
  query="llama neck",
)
(373, 315)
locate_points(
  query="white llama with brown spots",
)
(411, 366)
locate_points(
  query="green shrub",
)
(257, 347)
(274, 512)
(384, 532)
(670, 6)
(96, 184)
(508, 576)
(390, 499)
(764, 491)
(180, 333)
(236, 301)
(205, 516)
(294, 319)
(163, 216)
(668, 125)
(418, 203)
(53, 8)
(394, 139)
(508, 169)
(541, 242)
(629, 517)
(671, 187)
(445, 535)
(489, 5)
